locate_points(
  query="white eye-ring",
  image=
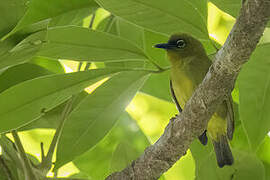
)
(180, 43)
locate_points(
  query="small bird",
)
(189, 65)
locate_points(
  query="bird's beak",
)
(164, 46)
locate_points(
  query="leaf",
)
(158, 85)
(206, 165)
(97, 162)
(8, 19)
(131, 32)
(23, 51)
(231, 7)
(96, 115)
(28, 101)
(52, 65)
(39, 10)
(83, 44)
(52, 118)
(20, 73)
(123, 156)
(254, 94)
(246, 165)
(263, 151)
(163, 16)
(74, 17)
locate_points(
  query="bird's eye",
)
(180, 43)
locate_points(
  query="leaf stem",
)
(46, 164)
(28, 171)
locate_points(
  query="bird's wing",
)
(230, 117)
(174, 98)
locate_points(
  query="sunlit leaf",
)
(50, 64)
(97, 114)
(29, 100)
(39, 10)
(20, 73)
(158, 85)
(23, 51)
(74, 17)
(83, 44)
(163, 16)
(11, 12)
(97, 162)
(254, 92)
(231, 7)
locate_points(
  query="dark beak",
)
(164, 46)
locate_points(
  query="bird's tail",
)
(223, 152)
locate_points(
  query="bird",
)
(189, 65)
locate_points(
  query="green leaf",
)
(254, 94)
(231, 7)
(131, 32)
(109, 25)
(97, 162)
(39, 10)
(52, 65)
(52, 118)
(163, 16)
(74, 17)
(20, 73)
(128, 31)
(123, 156)
(246, 165)
(158, 85)
(83, 44)
(28, 101)
(23, 51)
(97, 114)
(206, 165)
(263, 154)
(11, 12)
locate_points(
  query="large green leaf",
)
(158, 85)
(39, 10)
(52, 118)
(20, 73)
(83, 44)
(11, 12)
(23, 51)
(163, 16)
(246, 165)
(74, 17)
(52, 65)
(254, 92)
(231, 7)
(96, 115)
(97, 162)
(29, 100)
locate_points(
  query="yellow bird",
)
(189, 65)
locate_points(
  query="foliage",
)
(116, 101)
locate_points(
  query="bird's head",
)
(181, 46)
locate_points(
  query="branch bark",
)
(219, 81)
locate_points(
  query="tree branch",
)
(218, 82)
